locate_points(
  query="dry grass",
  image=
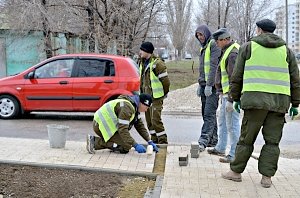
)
(182, 73)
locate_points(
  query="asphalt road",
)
(181, 129)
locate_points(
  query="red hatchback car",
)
(72, 82)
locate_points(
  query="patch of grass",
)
(181, 73)
(160, 161)
(136, 187)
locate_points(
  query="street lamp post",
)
(286, 23)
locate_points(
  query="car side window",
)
(55, 69)
(95, 68)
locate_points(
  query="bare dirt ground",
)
(38, 182)
(28, 181)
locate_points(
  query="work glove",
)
(237, 106)
(229, 106)
(208, 90)
(199, 91)
(139, 148)
(155, 148)
(293, 112)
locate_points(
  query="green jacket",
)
(125, 113)
(159, 69)
(262, 100)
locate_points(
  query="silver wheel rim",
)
(7, 107)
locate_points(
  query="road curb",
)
(82, 168)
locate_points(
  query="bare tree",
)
(178, 14)
(226, 12)
(238, 16)
(246, 13)
(125, 23)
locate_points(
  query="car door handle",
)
(108, 81)
(64, 82)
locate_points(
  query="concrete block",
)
(194, 151)
(183, 161)
(194, 145)
(194, 155)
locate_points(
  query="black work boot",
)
(163, 139)
(154, 139)
(119, 149)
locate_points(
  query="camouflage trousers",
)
(115, 139)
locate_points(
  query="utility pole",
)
(286, 23)
(219, 13)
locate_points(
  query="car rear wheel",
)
(9, 107)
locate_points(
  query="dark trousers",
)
(209, 131)
(272, 125)
(101, 144)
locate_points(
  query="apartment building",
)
(293, 25)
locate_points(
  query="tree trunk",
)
(91, 22)
(46, 32)
(226, 12)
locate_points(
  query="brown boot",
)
(231, 175)
(266, 182)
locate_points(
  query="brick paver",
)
(74, 154)
(200, 178)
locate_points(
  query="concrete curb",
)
(74, 167)
(182, 113)
(155, 193)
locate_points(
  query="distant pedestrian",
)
(265, 82)
(155, 82)
(228, 121)
(113, 121)
(209, 58)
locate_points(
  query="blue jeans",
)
(209, 131)
(228, 124)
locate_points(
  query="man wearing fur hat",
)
(155, 82)
(265, 84)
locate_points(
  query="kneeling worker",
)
(113, 121)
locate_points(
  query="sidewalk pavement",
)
(200, 178)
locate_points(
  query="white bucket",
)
(57, 135)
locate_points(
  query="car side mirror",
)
(30, 75)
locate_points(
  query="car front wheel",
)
(9, 107)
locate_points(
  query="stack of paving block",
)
(194, 150)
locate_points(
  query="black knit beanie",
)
(147, 47)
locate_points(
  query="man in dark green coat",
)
(265, 82)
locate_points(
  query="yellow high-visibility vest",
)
(207, 60)
(108, 120)
(267, 70)
(156, 85)
(224, 75)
